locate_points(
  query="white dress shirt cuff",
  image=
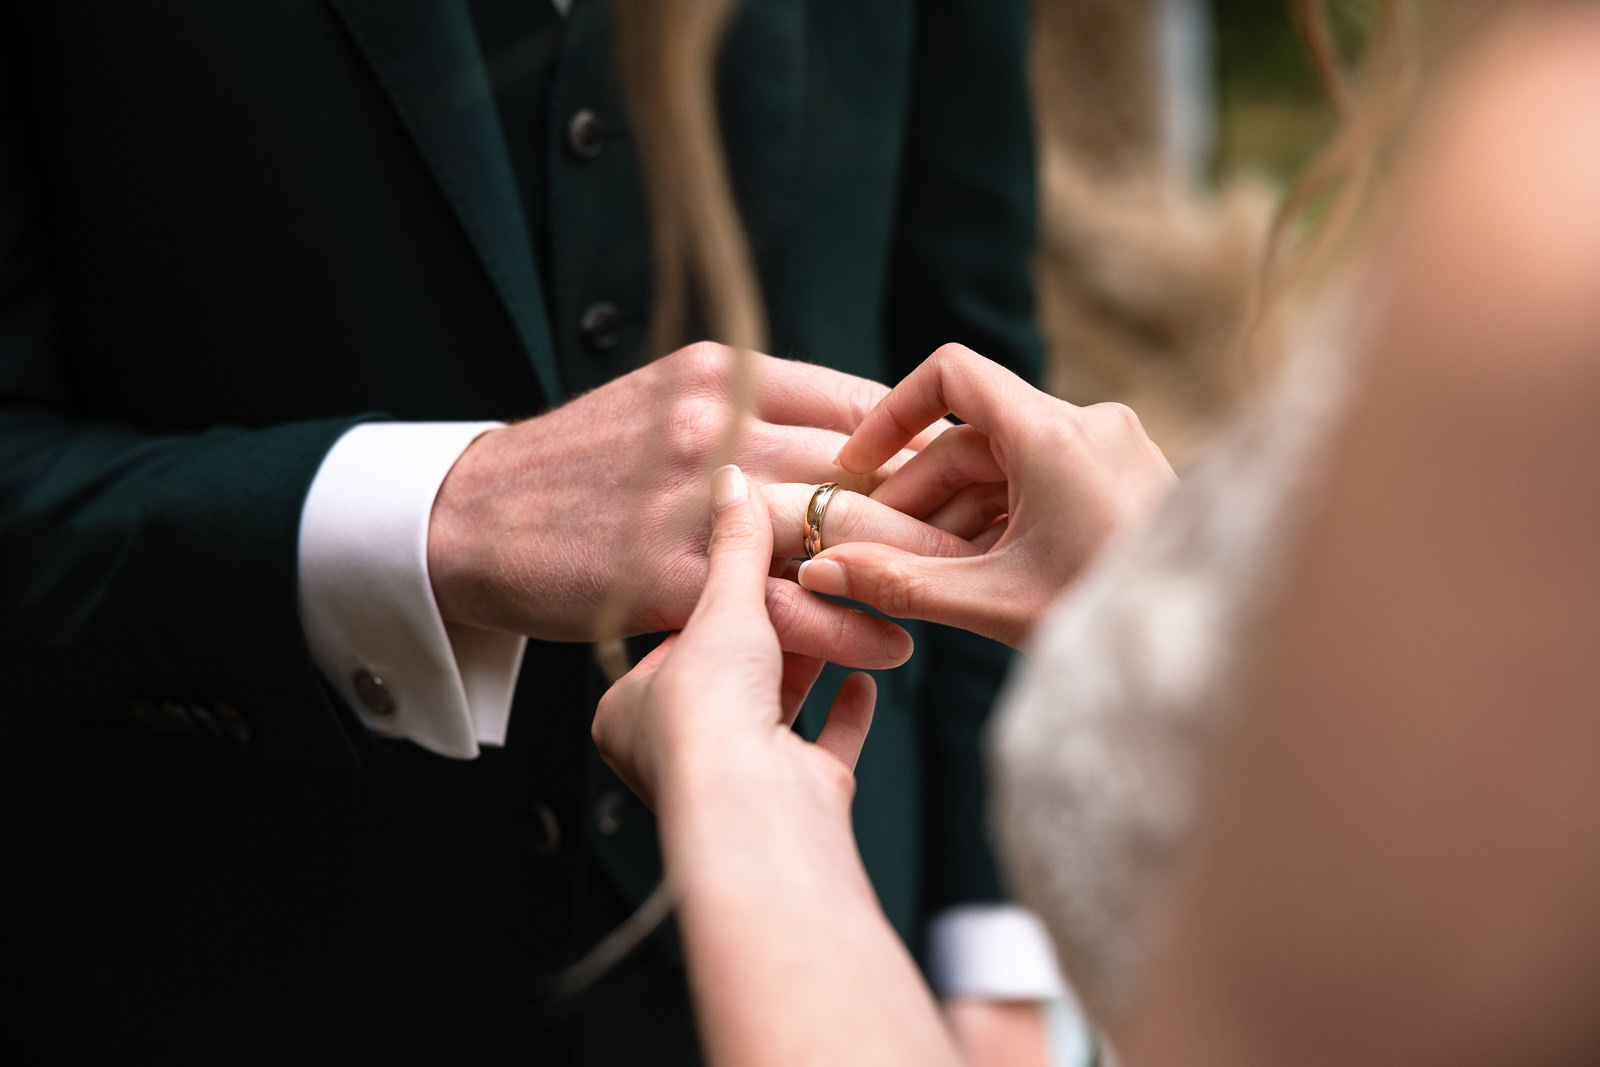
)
(998, 951)
(366, 603)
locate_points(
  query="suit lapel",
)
(425, 54)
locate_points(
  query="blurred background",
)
(1271, 112)
(1168, 130)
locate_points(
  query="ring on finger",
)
(816, 511)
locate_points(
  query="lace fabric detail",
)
(1097, 752)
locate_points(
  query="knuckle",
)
(1066, 432)
(802, 620)
(848, 625)
(1113, 415)
(951, 354)
(693, 425)
(901, 590)
(960, 368)
(784, 604)
(736, 533)
(839, 777)
(861, 396)
(705, 363)
(903, 428)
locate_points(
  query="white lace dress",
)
(1096, 752)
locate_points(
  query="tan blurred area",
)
(1148, 279)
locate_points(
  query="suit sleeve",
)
(143, 574)
(962, 272)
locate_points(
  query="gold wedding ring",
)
(816, 511)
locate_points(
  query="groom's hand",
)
(589, 521)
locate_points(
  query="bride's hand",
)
(712, 705)
(785, 940)
(1038, 483)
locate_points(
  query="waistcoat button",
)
(586, 135)
(232, 722)
(611, 812)
(600, 326)
(545, 836)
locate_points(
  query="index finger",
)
(953, 381)
(791, 393)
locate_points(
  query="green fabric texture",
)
(228, 232)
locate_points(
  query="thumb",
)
(968, 592)
(739, 557)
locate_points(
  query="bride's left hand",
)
(786, 943)
(714, 703)
(1037, 484)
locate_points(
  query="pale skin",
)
(589, 522)
(1400, 857)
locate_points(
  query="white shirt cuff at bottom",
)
(366, 603)
(996, 951)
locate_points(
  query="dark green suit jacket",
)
(230, 231)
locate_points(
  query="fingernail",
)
(728, 487)
(898, 644)
(823, 576)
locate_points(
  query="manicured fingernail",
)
(898, 644)
(728, 487)
(823, 576)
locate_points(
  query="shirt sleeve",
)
(367, 605)
(997, 951)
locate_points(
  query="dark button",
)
(374, 694)
(204, 721)
(611, 812)
(179, 717)
(151, 717)
(586, 135)
(232, 722)
(546, 834)
(601, 326)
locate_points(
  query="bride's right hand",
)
(1037, 483)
